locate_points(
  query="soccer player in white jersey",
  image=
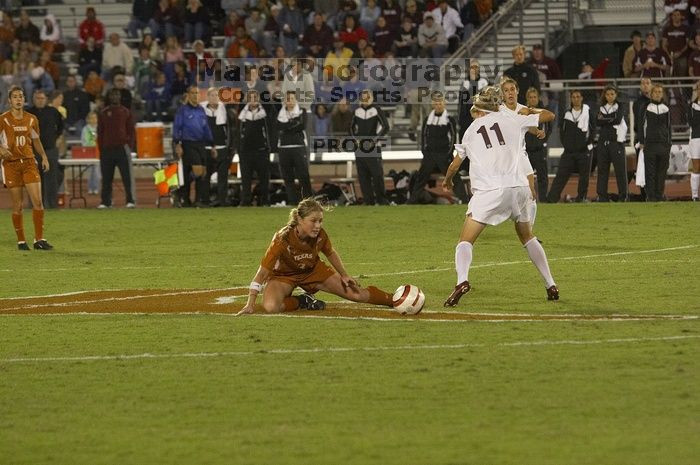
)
(500, 184)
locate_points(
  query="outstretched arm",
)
(254, 289)
(337, 263)
(451, 171)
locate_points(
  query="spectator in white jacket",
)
(449, 19)
(116, 53)
(50, 35)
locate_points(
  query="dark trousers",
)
(570, 163)
(370, 172)
(294, 164)
(656, 160)
(50, 180)
(194, 153)
(441, 161)
(111, 158)
(611, 151)
(255, 162)
(219, 165)
(538, 160)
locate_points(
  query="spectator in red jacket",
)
(92, 27)
(351, 33)
(242, 38)
(199, 54)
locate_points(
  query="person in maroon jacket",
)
(318, 37)
(674, 41)
(115, 137)
(651, 60)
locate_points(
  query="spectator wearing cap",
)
(674, 41)
(166, 21)
(198, 54)
(196, 21)
(449, 19)
(141, 13)
(27, 31)
(318, 37)
(91, 27)
(523, 73)
(652, 61)
(635, 47)
(546, 66)
(38, 79)
(431, 38)
(117, 53)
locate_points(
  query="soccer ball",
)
(408, 300)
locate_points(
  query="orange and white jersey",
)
(16, 134)
(292, 256)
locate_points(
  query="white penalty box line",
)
(321, 350)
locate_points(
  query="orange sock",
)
(38, 217)
(19, 226)
(379, 297)
(290, 304)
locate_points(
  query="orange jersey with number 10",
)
(16, 134)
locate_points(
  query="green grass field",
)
(215, 389)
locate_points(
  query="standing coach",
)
(51, 128)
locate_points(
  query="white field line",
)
(494, 317)
(520, 262)
(485, 265)
(117, 299)
(316, 350)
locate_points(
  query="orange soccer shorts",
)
(17, 173)
(307, 281)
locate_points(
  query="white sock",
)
(463, 260)
(539, 258)
(694, 184)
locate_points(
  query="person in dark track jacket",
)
(612, 130)
(437, 141)
(368, 123)
(576, 132)
(254, 149)
(655, 140)
(536, 147)
(291, 121)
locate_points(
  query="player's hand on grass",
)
(246, 310)
(349, 282)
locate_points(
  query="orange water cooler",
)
(149, 140)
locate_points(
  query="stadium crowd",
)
(156, 62)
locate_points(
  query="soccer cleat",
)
(102, 206)
(553, 293)
(131, 205)
(309, 302)
(460, 289)
(42, 245)
(22, 246)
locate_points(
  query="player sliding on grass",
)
(292, 260)
(499, 182)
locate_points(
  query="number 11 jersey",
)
(493, 144)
